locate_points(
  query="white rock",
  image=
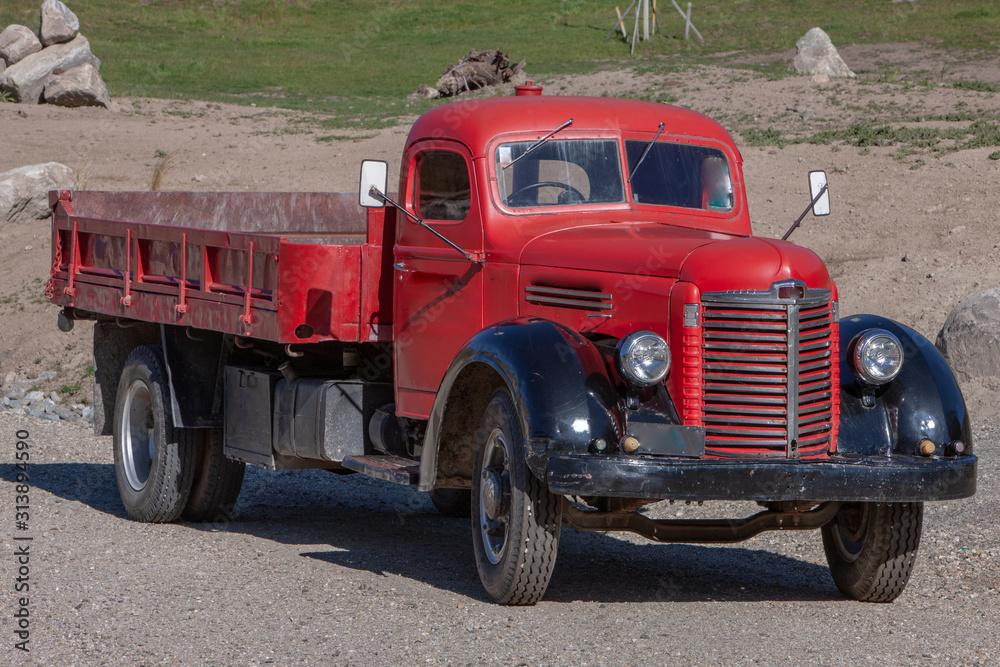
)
(78, 87)
(970, 338)
(25, 81)
(34, 396)
(57, 24)
(24, 192)
(16, 43)
(816, 54)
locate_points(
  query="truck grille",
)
(770, 384)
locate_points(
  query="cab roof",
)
(476, 122)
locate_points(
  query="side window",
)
(442, 190)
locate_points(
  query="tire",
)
(515, 519)
(217, 480)
(154, 462)
(453, 503)
(870, 548)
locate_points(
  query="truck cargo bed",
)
(287, 266)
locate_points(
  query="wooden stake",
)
(687, 20)
(635, 31)
(621, 20)
(645, 20)
(656, 22)
(687, 23)
(621, 23)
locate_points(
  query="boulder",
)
(78, 87)
(815, 54)
(25, 80)
(970, 338)
(24, 192)
(58, 24)
(16, 43)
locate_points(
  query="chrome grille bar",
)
(767, 373)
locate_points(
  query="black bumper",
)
(870, 479)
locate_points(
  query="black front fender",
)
(559, 381)
(922, 402)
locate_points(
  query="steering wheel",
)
(543, 184)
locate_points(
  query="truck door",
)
(437, 292)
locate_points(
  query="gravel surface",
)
(322, 569)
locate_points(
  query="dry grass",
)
(164, 161)
(84, 175)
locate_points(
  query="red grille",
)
(769, 374)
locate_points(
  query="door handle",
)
(403, 267)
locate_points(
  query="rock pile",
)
(477, 69)
(21, 397)
(55, 66)
(815, 54)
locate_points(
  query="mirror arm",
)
(795, 224)
(374, 192)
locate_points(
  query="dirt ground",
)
(912, 232)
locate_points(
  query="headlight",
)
(643, 358)
(877, 356)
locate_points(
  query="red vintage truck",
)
(561, 318)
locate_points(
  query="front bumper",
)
(846, 479)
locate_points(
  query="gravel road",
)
(329, 570)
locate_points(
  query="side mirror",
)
(373, 173)
(817, 185)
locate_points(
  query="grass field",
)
(327, 55)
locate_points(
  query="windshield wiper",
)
(538, 143)
(645, 152)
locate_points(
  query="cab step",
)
(391, 468)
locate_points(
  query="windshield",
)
(560, 173)
(680, 175)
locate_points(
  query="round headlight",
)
(877, 356)
(643, 358)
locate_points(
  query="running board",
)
(391, 468)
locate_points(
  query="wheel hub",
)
(494, 495)
(138, 441)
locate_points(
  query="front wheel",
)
(515, 519)
(870, 548)
(154, 462)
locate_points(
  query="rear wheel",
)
(515, 519)
(454, 503)
(870, 548)
(154, 462)
(217, 481)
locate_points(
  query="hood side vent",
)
(563, 297)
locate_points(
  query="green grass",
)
(326, 55)
(911, 140)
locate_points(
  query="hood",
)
(712, 261)
(648, 249)
(752, 264)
